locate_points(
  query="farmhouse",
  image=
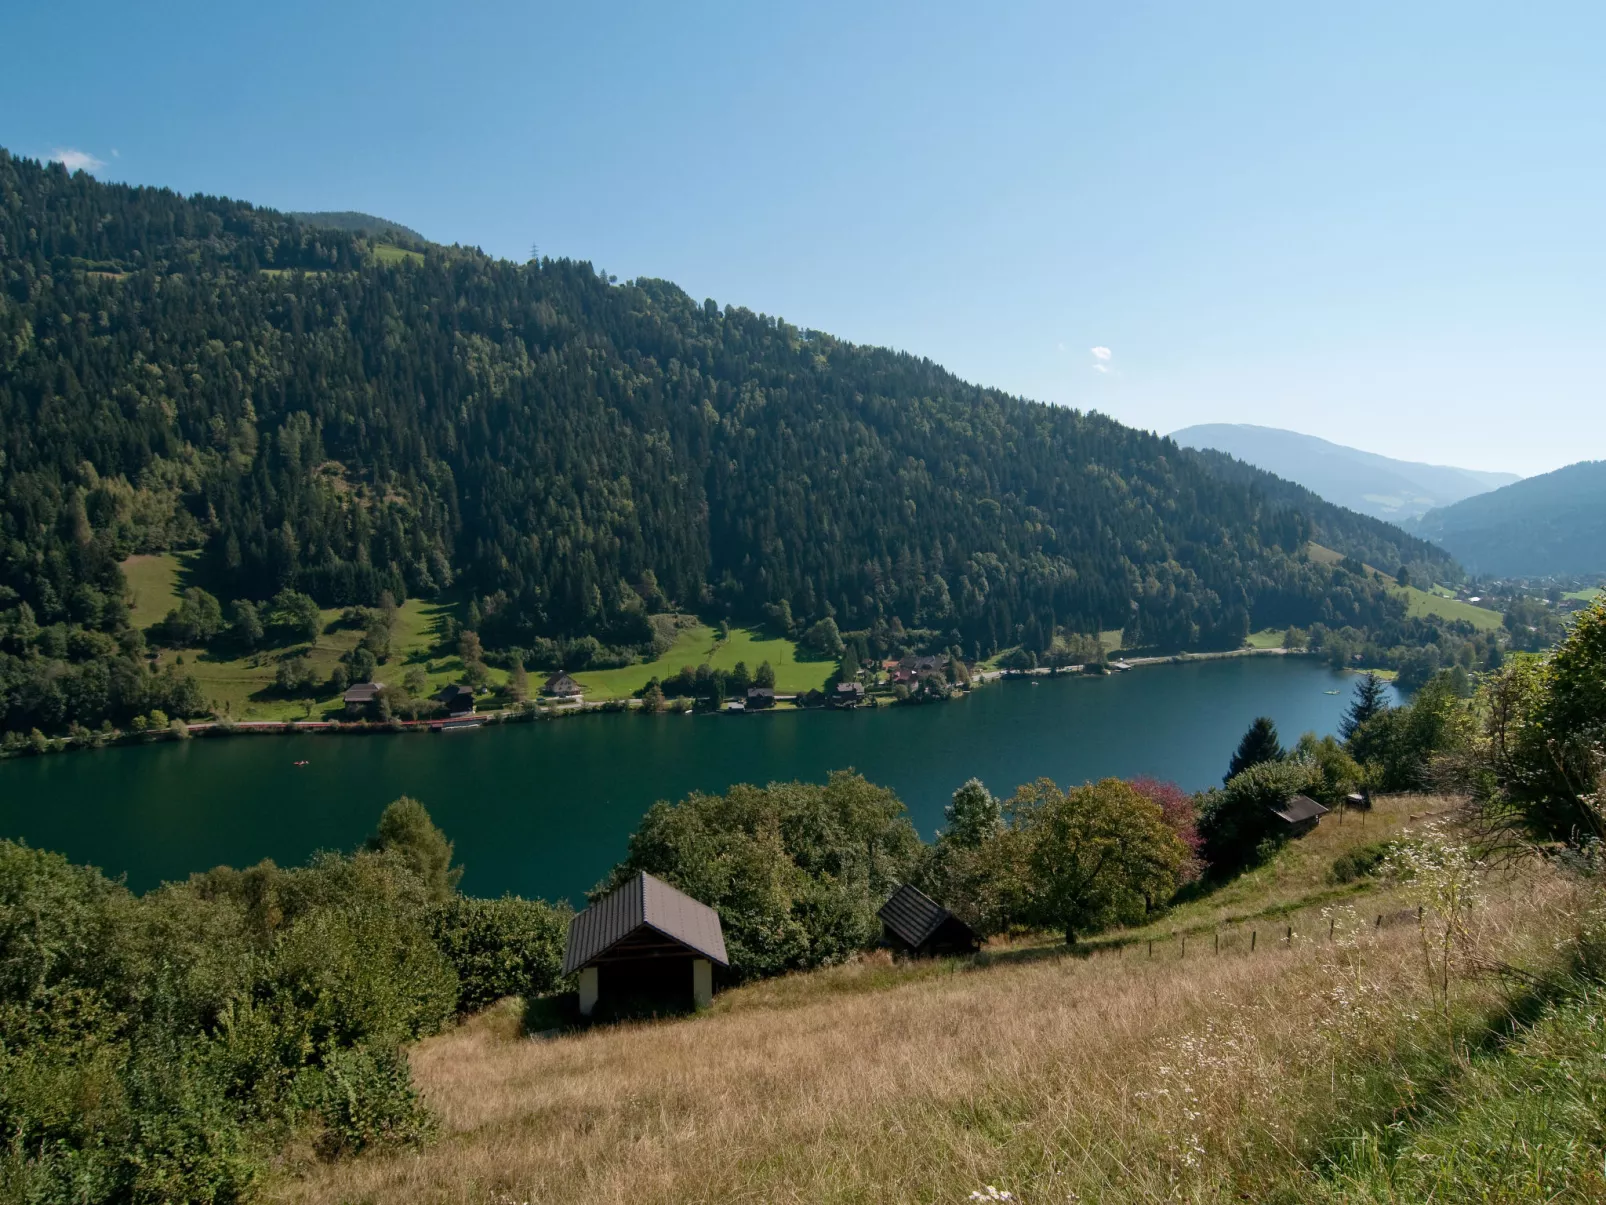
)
(918, 925)
(645, 947)
(458, 699)
(563, 686)
(1300, 814)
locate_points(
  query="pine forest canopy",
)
(568, 455)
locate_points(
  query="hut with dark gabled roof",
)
(1300, 814)
(645, 947)
(916, 924)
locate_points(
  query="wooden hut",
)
(918, 925)
(1301, 814)
(645, 946)
(760, 697)
(458, 699)
(361, 698)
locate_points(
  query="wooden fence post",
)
(1253, 934)
(1151, 947)
(1330, 928)
(1290, 935)
(1218, 943)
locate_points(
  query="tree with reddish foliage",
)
(1176, 805)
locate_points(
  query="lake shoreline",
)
(535, 712)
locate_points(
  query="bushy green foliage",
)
(163, 1047)
(1236, 820)
(1099, 854)
(1360, 862)
(1339, 773)
(1544, 734)
(406, 830)
(505, 947)
(796, 870)
(1399, 747)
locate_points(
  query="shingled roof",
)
(643, 902)
(1299, 809)
(912, 915)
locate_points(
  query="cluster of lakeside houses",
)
(648, 947)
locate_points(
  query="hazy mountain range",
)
(1551, 525)
(1364, 481)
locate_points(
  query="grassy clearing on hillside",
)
(1053, 1075)
(243, 686)
(153, 587)
(700, 643)
(386, 253)
(1420, 604)
(1589, 595)
(1266, 638)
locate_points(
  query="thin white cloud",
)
(75, 160)
(1101, 359)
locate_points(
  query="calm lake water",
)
(544, 809)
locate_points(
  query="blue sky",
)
(1378, 223)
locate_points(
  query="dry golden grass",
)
(1115, 1077)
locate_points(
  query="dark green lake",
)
(544, 809)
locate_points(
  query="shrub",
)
(505, 947)
(1359, 863)
(796, 870)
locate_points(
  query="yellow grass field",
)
(1114, 1076)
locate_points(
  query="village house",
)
(915, 924)
(847, 694)
(645, 947)
(562, 686)
(457, 699)
(760, 697)
(361, 699)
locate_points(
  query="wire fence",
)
(1244, 939)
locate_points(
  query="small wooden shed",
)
(916, 924)
(1301, 814)
(645, 944)
(361, 697)
(458, 699)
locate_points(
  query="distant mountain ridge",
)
(1550, 525)
(358, 223)
(1374, 485)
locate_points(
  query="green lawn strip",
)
(1421, 604)
(386, 253)
(1268, 638)
(153, 587)
(1589, 595)
(699, 644)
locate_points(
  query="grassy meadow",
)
(1420, 604)
(1295, 1069)
(700, 643)
(244, 685)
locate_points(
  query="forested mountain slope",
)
(1363, 537)
(1553, 524)
(563, 453)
